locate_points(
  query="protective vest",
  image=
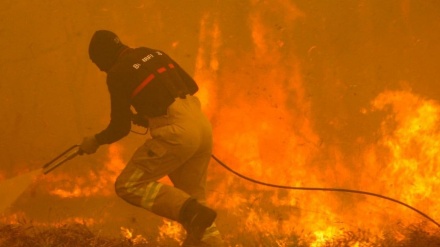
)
(159, 80)
(175, 84)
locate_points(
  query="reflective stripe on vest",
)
(149, 79)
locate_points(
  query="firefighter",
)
(162, 96)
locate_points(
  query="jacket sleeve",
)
(120, 116)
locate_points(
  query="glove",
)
(89, 145)
(139, 120)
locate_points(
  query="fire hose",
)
(69, 154)
(324, 189)
(73, 151)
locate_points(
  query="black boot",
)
(195, 218)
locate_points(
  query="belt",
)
(156, 122)
(159, 121)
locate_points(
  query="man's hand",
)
(139, 120)
(89, 145)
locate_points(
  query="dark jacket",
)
(147, 79)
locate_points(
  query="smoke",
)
(12, 188)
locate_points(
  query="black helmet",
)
(104, 49)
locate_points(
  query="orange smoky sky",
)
(302, 93)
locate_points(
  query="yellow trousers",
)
(180, 148)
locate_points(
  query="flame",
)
(207, 64)
(14, 218)
(261, 133)
(401, 164)
(410, 134)
(100, 183)
(128, 234)
(170, 230)
(323, 236)
(18, 218)
(265, 130)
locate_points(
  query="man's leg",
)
(137, 182)
(191, 177)
(155, 159)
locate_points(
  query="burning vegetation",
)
(78, 234)
(300, 93)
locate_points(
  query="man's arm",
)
(120, 121)
(120, 118)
